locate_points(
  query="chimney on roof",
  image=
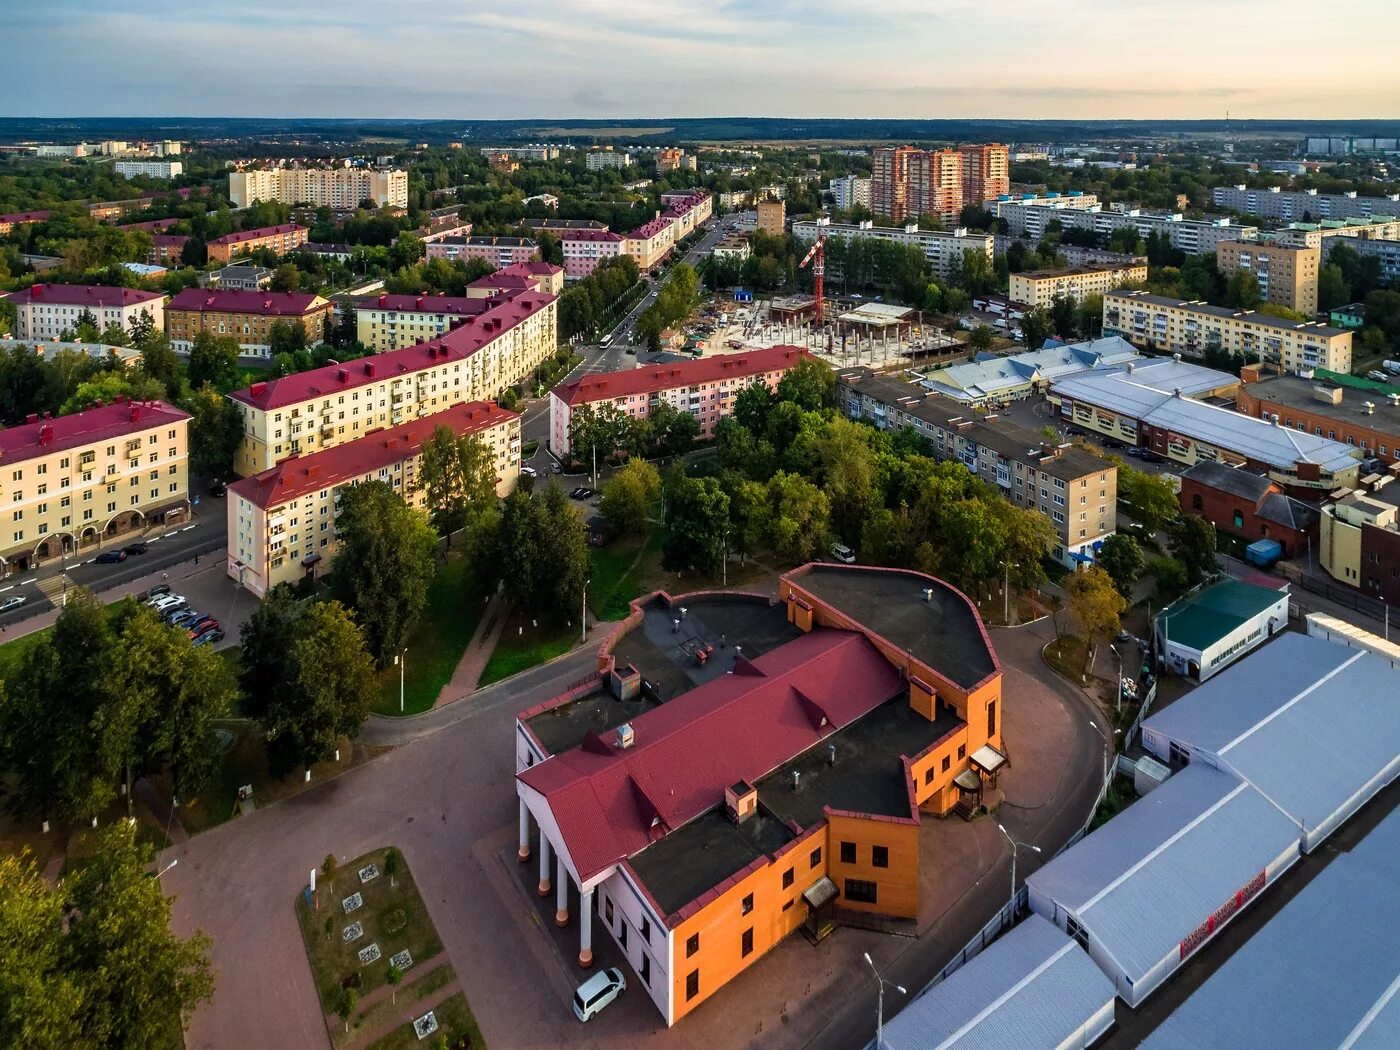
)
(33, 417)
(626, 737)
(796, 780)
(831, 754)
(135, 413)
(928, 595)
(740, 801)
(369, 368)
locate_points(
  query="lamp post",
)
(1118, 700)
(1014, 845)
(583, 614)
(1006, 595)
(880, 983)
(401, 660)
(1107, 744)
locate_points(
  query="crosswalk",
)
(53, 587)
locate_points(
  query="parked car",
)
(178, 617)
(583, 492)
(843, 554)
(14, 601)
(597, 992)
(207, 627)
(217, 488)
(166, 602)
(529, 471)
(201, 623)
(209, 638)
(110, 557)
(150, 594)
(1378, 375)
(556, 468)
(139, 547)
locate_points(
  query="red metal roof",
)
(425, 302)
(604, 386)
(611, 804)
(456, 345)
(95, 295)
(25, 216)
(650, 229)
(295, 477)
(151, 224)
(265, 231)
(169, 240)
(42, 436)
(590, 235)
(245, 301)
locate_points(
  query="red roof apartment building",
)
(532, 276)
(167, 249)
(392, 321)
(44, 311)
(244, 314)
(585, 249)
(277, 239)
(498, 251)
(705, 388)
(740, 768)
(10, 220)
(281, 523)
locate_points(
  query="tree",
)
(1170, 575)
(384, 565)
(751, 407)
(628, 498)
(40, 999)
(286, 278)
(160, 363)
(799, 518)
(1149, 500)
(137, 977)
(327, 692)
(394, 977)
(286, 337)
(542, 552)
(346, 999)
(982, 338)
(1242, 290)
(393, 862)
(810, 384)
(1036, 327)
(672, 431)
(1191, 539)
(600, 429)
(1332, 289)
(213, 359)
(847, 474)
(1096, 604)
(1064, 316)
(106, 387)
(457, 473)
(1122, 558)
(216, 430)
(697, 519)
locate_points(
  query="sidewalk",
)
(477, 653)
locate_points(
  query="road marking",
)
(31, 579)
(9, 588)
(187, 528)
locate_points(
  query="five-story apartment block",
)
(44, 311)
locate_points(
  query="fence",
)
(1132, 730)
(1004, 919)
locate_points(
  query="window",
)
(947, 763)
(692, 945)
(848, 853)
(746, 905)
(962, 752)
(646, 930)
(928, 775)
(860, 891)
(816, 857)
(608, 909)
(788, 905)
(992, 719)
(880, 856)
(646, 969)
(787, 878)
(692, 985)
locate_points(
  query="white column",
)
(524, 852)
(585, 929)
(561, 893)
(544, 864)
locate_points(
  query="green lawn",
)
(517, 652)
(618, 569)
(445, 628)
(455, 1021)
(395, 1006)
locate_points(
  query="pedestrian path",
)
(477, 653)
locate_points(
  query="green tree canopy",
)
(697, 520)
(629, 498)
(216, 430)
(458, 475)
(1123, 560)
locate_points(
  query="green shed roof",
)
(1211, 614)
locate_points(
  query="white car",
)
(12, 602)
(596, 992)
(843, 554)
(166, 602)
(528, 471)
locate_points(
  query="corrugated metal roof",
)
(1307, 721)
(1146, 879)
(1216, 612)
(1323, 970)
(1032, 988)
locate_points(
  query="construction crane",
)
(817, 257)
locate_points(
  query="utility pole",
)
(401, 661)
(583, 614)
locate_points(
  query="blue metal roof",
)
(1325, 969)
(1034, 987)
(1150, 876)
(1309, 722)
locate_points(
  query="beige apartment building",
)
(1193, 327)
(338, 188)
(772, 217)
(70, 483)
(279, 240)
(1287, 273)
(393, 321)
(45, 311)
(299, 414)
(1042, 287)
(245, 314)
(281, 522)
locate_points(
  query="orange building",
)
(277, 239)
(740, 767)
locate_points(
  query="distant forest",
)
(661, 129)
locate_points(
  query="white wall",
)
(631, 908)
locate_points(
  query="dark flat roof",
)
(944, 633)
(867, 776)
(564, 727)
(696, 858)
(1293, 391)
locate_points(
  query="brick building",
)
(167, 249)
(1248, 505)
(775, 768)
(246, 315)
(10, 220)
(1359, 541)
(277, 239)
(1357, 412)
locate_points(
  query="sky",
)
(483, 59)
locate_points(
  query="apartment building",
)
(686, 210)
(651, 242)
(585, 249)
(339, 188)
(889, 182)
(1287, 273)
(850, 191)
(944, 249)
(1341, 408)
(281, 522)
(279, 240)
(1042, 287)
(1075, 489)
(167, 249)
(1029, 219)
(498, 251)
(1194, 327)
(1359, 542)
(533, 276)
(9, 220)
(1275, 202)
(787, 778)
(245, 315)
(669, 159)
(393, 321)
(986, 172)
(43, 311)
(935, 185)
(474, 360)
(772, 217)
(155, 169)
(1328, 232)
(601, 160)
(502, 161)
(237, 276)
(73, 482)
(1386, 252)
(706, 388)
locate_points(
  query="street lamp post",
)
(583, 614)
(1014, 845)
(1006, 595)
(402, 661)
(880, 983)
(1118, 700)
(1107, 744)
